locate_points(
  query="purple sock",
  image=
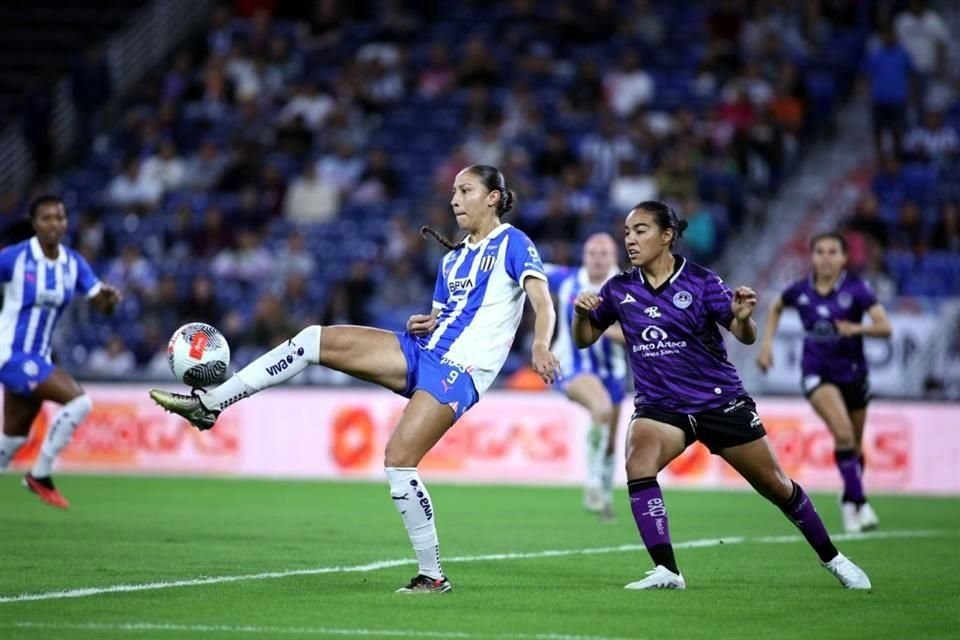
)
(800, 511)
(650, 513)
(849, 465)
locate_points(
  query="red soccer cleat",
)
(45, 490)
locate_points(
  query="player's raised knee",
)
(602, 413)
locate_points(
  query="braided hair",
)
(492, 179)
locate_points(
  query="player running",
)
(443, 362)
(594, 378)
(686, 388)
(40, 277)
(831, 304)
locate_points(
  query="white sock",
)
(9, 445)
(60, 432)
(597, 438)
(413, 502)
(272, 368)
(606, 477)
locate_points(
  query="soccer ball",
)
(198, 354)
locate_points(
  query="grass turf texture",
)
(128, 530)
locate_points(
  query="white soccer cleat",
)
(850, 575)
(851, 517)
(659, 578)
(868, 517)
(593, 500)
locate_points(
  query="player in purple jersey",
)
(40, 277)
(686, 388)
(831, 304)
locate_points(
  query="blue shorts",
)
(449, 383)
(24, 371)
(616, 387)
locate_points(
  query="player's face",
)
(50, 223)
(599, 256)
(645, 241)
(828, 257)
(472, 203)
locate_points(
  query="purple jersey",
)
(826, 353)
(676, 352)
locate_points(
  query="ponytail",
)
(439, 237)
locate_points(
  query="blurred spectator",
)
(201, 303)
(628, 86)
(401, 287)
(249, 262)
(162, 304)
(131, 272)
(296, 300)
(925, 36)
(676, 178)
(214, 235)
(585, 93)
(270, 319)
(165, 167)
(866, 220)
(311, 198)
(243, 168)
(350, 298)
(378, 182)
(630, 187)
(272, 190)
(644, 23)
(557, 223)
(485, 146)
(219, 35)
(253, 127)
(342, 168)
(204, 167)
(876, 274)
(294, 259)
(946, 234)
(701, 234)
(282, 66)
(90, 88)
(113, 360)
(177, 78)
(935, 141)
(131, 189)
(555, 156)
(478, 65)
(888, 70)
(908, 234)
(249, 214)
(309, 105)
(888, 182)
(603, 150)
(438, 75)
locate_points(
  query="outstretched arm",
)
(765, 357)
(544, 362)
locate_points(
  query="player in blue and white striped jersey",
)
(40, 278)
(595, 377)
(443, 362)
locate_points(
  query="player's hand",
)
(847, 329)
(765, 358)
(545, 364)
(421, 324)
(585, 303)
(107, 299)
(744, 302)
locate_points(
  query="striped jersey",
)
(676, 351)
(604, 358)
(480, 297)
(36, 290)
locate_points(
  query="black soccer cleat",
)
(426, 584)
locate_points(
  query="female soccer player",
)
(687, 390)
(831, 304)
(443, 362)
(594, 378)
(40, 278)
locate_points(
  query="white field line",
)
(305, 631)
(493, 557)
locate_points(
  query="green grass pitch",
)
(135, 531)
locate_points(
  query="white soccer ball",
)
(198, 354)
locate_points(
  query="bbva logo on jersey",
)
(460, 285)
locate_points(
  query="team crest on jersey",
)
(845, 300)
(652, 312)
(682, 299)
(487, 261)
